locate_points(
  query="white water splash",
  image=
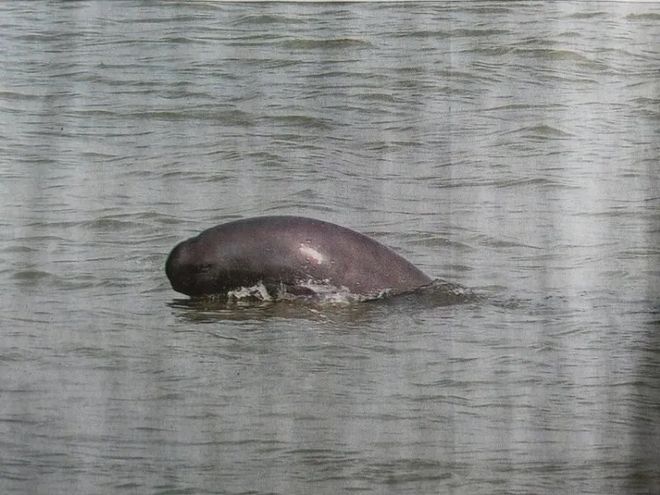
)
(324, 292)
(257, 292)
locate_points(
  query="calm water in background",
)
(510, 147)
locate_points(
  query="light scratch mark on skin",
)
(312, 254)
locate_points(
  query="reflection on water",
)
(510, 148)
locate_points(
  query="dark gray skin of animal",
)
(287, 251)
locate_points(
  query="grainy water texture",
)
(510, 147)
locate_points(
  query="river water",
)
(510, 147)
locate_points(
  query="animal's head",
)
(191, 270)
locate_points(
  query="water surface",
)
(511, 147)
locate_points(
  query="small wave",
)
(481, 9)
(32, 277)
(553, 54)
(226, 117)
(423, 33)
(517, 107)
(528, 181)
(540, 132)
(304, 121)
(29, 278)
(182, 40)
(19, 249)
(442, 293)
(647, 16)
(331, 44)
(586, 15)
(261, 19)
(112, 223)
(474, 33)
